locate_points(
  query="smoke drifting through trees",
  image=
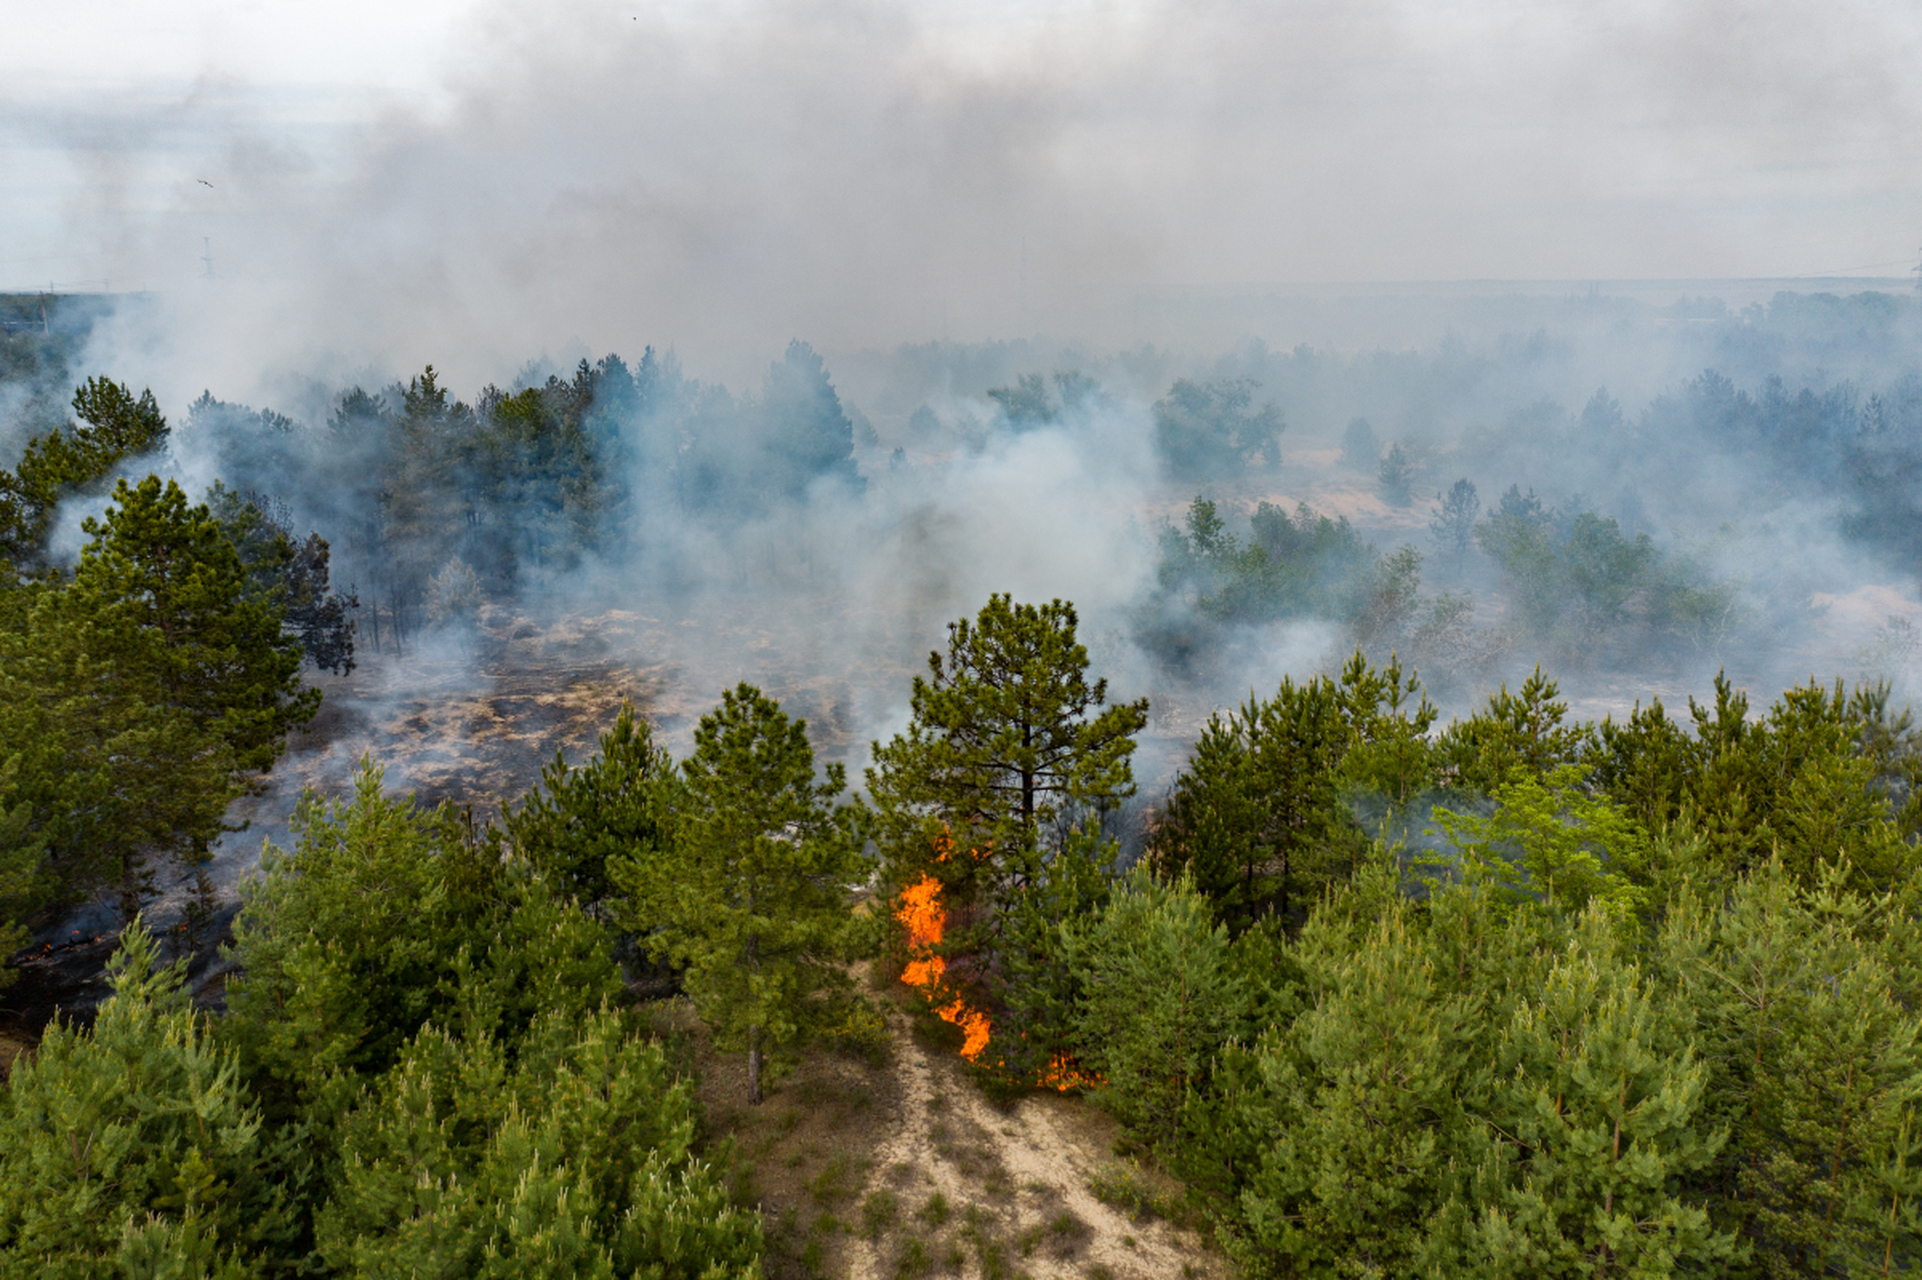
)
(819, 527)
(1685, 526)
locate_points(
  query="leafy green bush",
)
(1123, 1184)
(861, 1030)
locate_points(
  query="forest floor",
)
(901, 1166)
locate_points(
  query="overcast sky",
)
(499, 176)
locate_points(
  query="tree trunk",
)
(1027, 780)
(754, 1030)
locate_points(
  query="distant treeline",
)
(1817, 407)
(41, 338)
(520, 488)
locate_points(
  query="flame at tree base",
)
(924, 918)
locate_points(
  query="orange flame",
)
(1062, 1074)
(924, 918)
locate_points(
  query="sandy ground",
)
(897, 1165)
(1021, 1173)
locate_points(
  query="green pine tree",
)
(1815, 1068)
(1163, 994)
(1363, 1108)
(1600, 1124)
(571, 1157)
(113, 427)
(1261, 814)
(1524, 730)
(102, 777)
(170, 576)
(352, 941)
(753, 896)
(618, 803)
(1041, 967)
(1008, 745)
(134, 1144)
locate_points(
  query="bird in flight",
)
(203, 182)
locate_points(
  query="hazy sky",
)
(410, 177)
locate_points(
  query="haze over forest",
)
(1052, 193)
(813, 528)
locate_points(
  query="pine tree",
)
(1606, 1105)
(1163, 994)
(1515, 731)
(1027, 404)
(1360, 446)
(568, 1154)
(102, 778)
(1363, 1107)
(1396, 477)
(133, 1141)
(752, 897)
(1206, 430)
(294, 573)
(1253, 816)
(1042, 968)
(172, 580)
(618, 804)
(805, 433)
(1008, 739)
(1259, 815)
(1815, 1068)
(113, 426)
(353, 940)
(1453, 521)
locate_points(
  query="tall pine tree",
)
(753, 896)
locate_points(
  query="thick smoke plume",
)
(721, 178)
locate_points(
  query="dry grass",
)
(803, 1155)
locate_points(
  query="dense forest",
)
(1376, 989)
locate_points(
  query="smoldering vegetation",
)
(1751, 506)
(1633, 497)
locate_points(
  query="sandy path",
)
(1020, 1168)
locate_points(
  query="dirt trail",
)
(1019, 1175)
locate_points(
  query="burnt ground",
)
(471, 721)
(471, 718)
